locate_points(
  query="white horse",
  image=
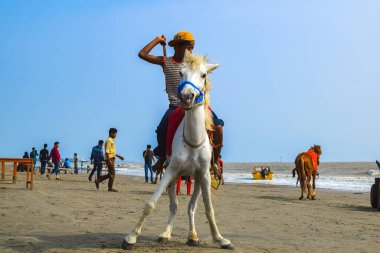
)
(191, 155)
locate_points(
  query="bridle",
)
(198, 101)
(182, 86)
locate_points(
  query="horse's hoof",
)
(163, 240)
(127, 246)
(300, 198)
(228, 246)
(192, 242)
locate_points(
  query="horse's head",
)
(317, 149)
(195, 85)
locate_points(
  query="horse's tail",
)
(294, 175)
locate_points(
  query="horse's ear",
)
(211, 67)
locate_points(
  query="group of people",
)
(97, 158)
(45, 157)
(54, 156)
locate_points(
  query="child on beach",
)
(67, 166)
(55, 156)
(183, 41)
(110, 161)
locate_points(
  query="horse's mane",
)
(193, 61)
(317, 149)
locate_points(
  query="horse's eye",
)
(180, 74)
(204, 75)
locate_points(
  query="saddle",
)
(175, 119)
(314, 157)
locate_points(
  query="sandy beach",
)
(72, 216)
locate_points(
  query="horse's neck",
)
(194, 124)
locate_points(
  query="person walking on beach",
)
(44, 155)
(34, 155)
(110, 161)
(148, 158)
(97, 158)
(75, 163)
(183, 41)
(55, 156)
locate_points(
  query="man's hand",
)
(120, 157)
(161, 39)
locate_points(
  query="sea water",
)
(357, 177)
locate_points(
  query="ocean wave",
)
(362, 184)
(352, 182)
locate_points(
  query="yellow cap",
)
(180, 37)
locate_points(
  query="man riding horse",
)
(183, 41)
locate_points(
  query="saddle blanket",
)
(314, 156)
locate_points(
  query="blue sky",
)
(292, 74)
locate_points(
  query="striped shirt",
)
(172, 79)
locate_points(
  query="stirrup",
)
(158, 166)
(166, 163)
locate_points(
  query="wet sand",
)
(72, 216)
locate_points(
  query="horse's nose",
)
(188, 97)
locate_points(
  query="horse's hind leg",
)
(193, 237)
(301, 194)
(309, 190)
(131, 238)
(206, 193)
(165, 236)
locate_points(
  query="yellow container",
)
(257, 173)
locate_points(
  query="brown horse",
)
(306, 169)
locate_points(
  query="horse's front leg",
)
(193, 240)
(206, 193)
(131, 238)
(165, 236)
